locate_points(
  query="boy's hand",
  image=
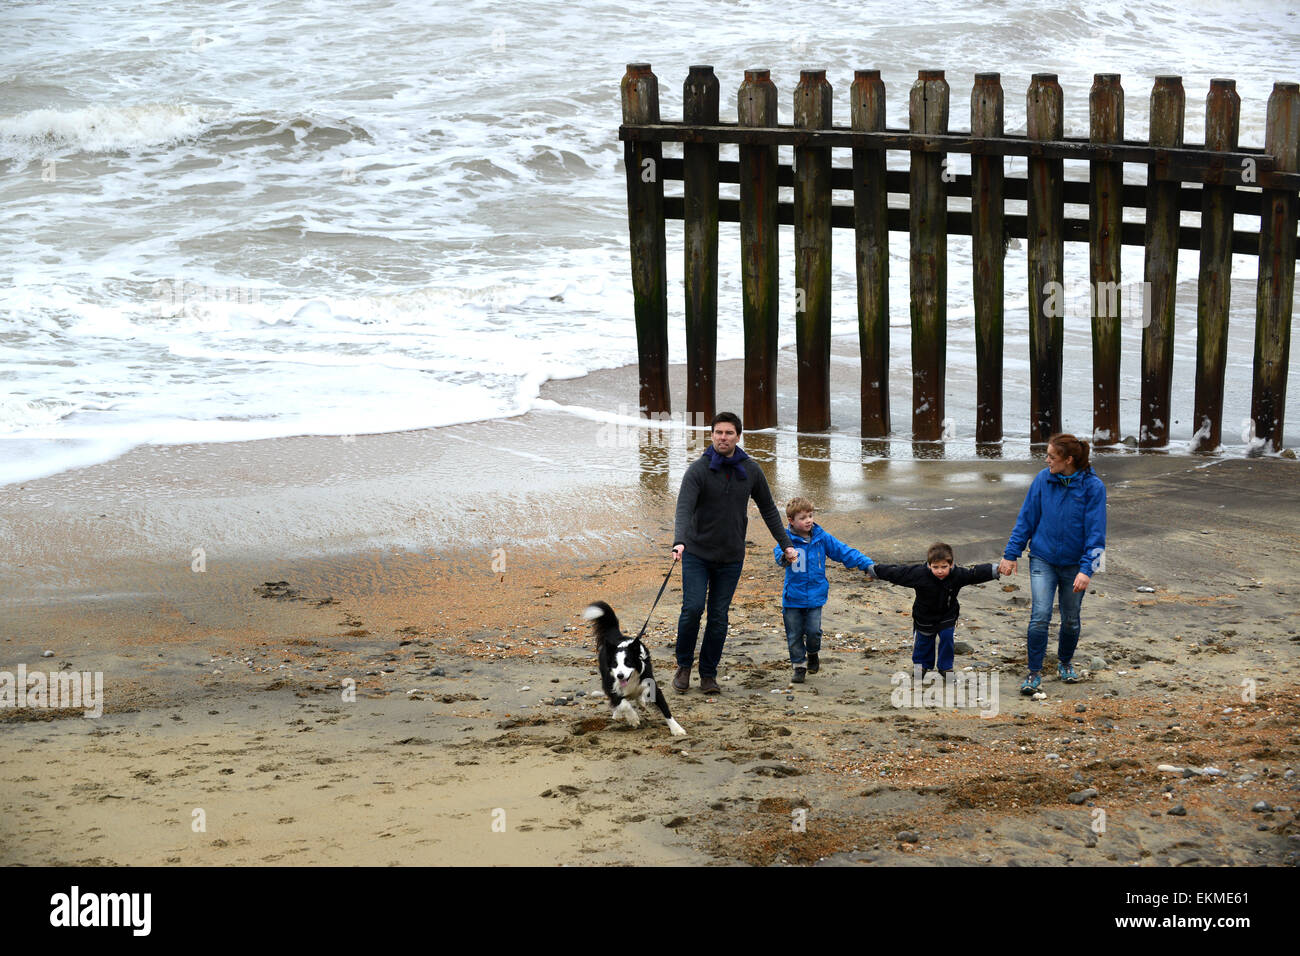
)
(791, 555)
(1081, 582)
(1009, 567)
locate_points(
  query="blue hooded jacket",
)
(805, 580)
(1064, 516)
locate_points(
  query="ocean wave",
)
(37, 134)
(98, 129)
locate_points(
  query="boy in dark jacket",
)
(806, 587)
(935, 610)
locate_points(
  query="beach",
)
(370, 650)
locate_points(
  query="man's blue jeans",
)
(1046, 580)
(711, 584)
(803, 633)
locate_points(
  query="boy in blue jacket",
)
(806, 586)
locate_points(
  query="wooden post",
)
(700, 107)
(812, 243)
(1168, 104)
(1105, 226)
(987, 256)
(871, 226)
(1046, 249)
(1277, 252)
(645, 217)
(756, 106)
(928, 221)
(1222, 118)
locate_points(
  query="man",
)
(709, 540)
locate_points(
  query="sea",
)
(226, 221)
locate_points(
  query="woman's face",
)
(1058, 463)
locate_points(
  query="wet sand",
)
(444, 572)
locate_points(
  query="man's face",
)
(725, 437)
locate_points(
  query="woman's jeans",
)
(803, 633)
(1045, 581)
(711, 584)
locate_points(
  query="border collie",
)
(625, 669)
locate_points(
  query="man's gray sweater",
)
(713, 510)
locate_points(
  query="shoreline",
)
(475, 685)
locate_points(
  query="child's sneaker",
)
(814, 664)
(1066, 673)
(1031, 684)
(798, 674)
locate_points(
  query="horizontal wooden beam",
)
(1186, 164)
(1245, 200)
(959, 224)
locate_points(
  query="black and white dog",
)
(625, 669)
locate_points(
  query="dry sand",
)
(477, 735)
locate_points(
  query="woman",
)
(1064, 515)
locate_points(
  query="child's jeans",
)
(923, 649)
(803, 633)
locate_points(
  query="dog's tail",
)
(603, 620)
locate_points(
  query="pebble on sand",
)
(1080, 796)
(48, 654)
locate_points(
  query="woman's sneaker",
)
(1066, 673)
(1031, 684)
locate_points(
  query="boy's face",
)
(940, 569)
(802, 522)
(725, 437)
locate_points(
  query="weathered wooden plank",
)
(1222, 118)
(757, 213)
(648, 247)
(959, 224)
(700, 169)
(1277, 254)
(988, 255)
(928, 224)
(871, 222)
(812, 242)
(1160, 272)
(1046, 252)
(1106, 218)
(1189, 163)
(1245, 200)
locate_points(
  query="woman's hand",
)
(1081, 582)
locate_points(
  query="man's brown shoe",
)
(682, 680)
(709, 685)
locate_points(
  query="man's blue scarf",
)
(716, 461)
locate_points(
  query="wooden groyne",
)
(1219, 180)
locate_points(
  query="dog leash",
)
(662, 587)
